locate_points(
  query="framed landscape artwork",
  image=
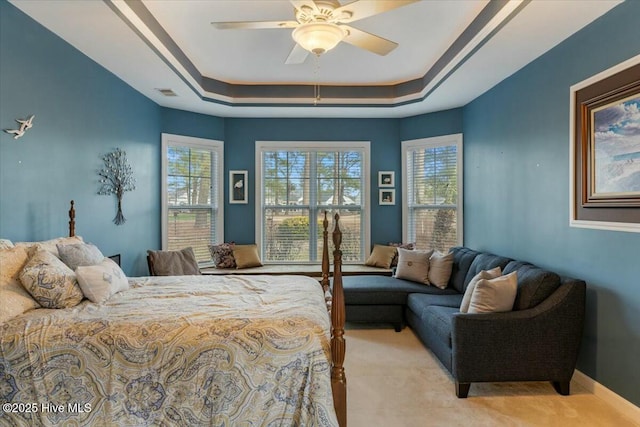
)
(238, 187)
(605, 149)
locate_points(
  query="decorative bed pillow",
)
(50, 245)
(6, 244)
(494, 295)
(484, 274)
(381, 256)
(440, 266)
(408, 246)
(99, 282)
(14, 299)
(50, 281)
(413, 265)
(222, 255)
(174, 263)
(246, 256)
(79, 254)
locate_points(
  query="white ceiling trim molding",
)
(504, 11)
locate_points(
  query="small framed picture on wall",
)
(386, 179)
(238, 187)
(387, 197)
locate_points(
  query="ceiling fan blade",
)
(360, 9)
(305, 6)
(297, 56)
(368, 41)
(254, 25)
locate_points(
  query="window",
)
(432, 177)
(192, 204)
(295, 183)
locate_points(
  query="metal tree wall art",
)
(116, 178)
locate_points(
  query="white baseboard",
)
(618, 402)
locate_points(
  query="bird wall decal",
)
(25, 124)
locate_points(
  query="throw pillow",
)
(99, 282)
(75, 255)
(222, 255)
(494, 295)
(413, 265)
(14, 299)
(484, 274)
(409, 246)
(381, 256)
(5, 244)
(246, 256)
(174, 263)
(50, 281)
(50, 245)
(440, 269)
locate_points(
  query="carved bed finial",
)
(325, 254)
(72, 220)
(338, 345)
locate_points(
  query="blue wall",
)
(516, 148)
(81, 112)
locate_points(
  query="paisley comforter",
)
(174, 351)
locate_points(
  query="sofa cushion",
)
(494, 295)
(484, 274)
(485, 261)
(385, 290)
(413, 265)
(534, 284)
(381, 256)
(439, 319)
(419, 302)
(440, 266)
(462, 259)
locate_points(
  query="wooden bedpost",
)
(72, 220)
(338, 347)
(325, 254)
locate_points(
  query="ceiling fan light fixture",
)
(318, 37)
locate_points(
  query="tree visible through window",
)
(297, 187)
(433, 211)
(191, 187)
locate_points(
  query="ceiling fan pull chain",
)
(316, 87)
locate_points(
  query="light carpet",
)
(393, 380)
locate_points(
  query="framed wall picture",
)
(386, 179)
(238, 187)
(605, 149)
(387, 197)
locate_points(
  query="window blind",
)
(432, 195)
(297, 187)
(193, 190)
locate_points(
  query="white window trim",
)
(365, 146)
(438, 141)
(189, 141)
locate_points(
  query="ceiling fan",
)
(321, 24)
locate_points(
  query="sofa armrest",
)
(540, 343)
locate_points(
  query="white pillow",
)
(5, 244)
(99, 282)
(494, 295)
(78, 254)
(14, 299)
(484, 274)
(49, 245)
(413, 265)
(440, 266)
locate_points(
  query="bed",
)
(183, 350)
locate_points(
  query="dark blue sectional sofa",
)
(537, 341)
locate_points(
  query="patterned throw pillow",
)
(5, 244)
(50, 245)
(50, 281)
(99, 282)
(408, 246)
(222, 255)
(80, 254)
(14, 299)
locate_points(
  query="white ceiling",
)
(114, 35)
